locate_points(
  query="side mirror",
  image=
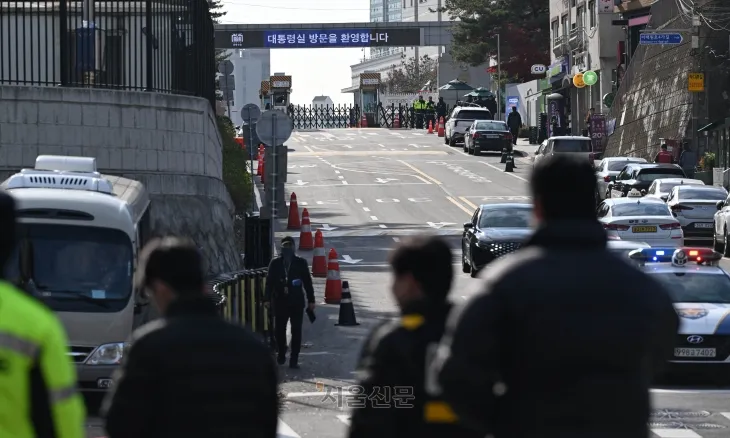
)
(467, 225)
(720, 205)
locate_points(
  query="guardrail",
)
(239, 298)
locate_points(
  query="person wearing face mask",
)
(189, 373)
(287, 282)
(392, 367)
(547, 330)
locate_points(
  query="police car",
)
(700, 290)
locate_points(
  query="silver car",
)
(607, 170)
(661, 188)
(566, 145)
(694, 207)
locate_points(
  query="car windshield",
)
(72, 265)
(640, 209)
(706, 194)
(491, 126)
(565, 145)
(506, 218)
(655, 174)
(473, 115)
(617, 166)
(696, 287)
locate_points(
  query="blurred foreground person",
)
(38, 395)
(190, 373)
(392, 368)
(562, 334)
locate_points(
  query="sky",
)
(314, 72)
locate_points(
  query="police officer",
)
(549, 333)
(441, 109)
(664, 156)
(38, 379)
(393, 362)
(191, 373)
(431, 112)
(419, 108)
(287, 282)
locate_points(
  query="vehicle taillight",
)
(475, 135)
(672, 226)
(616, 227)
(607, 178)
(680, 207)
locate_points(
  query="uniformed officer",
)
(392, 366)
(419, 108)
(287, 282)
(37, 378)
(431, 112)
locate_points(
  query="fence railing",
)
(148, 45)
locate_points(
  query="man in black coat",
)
(287, 282)
(562, 334)
(190, 374)
(392, 368)
(514, 123)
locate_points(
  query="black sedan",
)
(494, 230)
(487, 135)
(640, 176)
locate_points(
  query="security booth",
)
(370, 98)
(280, 90)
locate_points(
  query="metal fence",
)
(150, 45)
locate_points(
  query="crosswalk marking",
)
(345, 419)
(284, 431)
(675, 433)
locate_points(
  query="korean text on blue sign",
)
(325, 38)
(660, 38)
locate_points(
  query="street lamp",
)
(499, 77)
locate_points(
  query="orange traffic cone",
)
(293, 223)
(305, 236)
(262, 175)
(260, 166)
(430, 127)
(333, 288)
(319, 261)
(396, 121)
(441, 127)
(364, 121)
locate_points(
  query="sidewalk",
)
(525, 150)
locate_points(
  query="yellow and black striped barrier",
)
(241, 300)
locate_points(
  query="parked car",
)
(695, 207)
(487, 135)
(460, 121)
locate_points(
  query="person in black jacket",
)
(392, 368)
(190, 373)
(514, 123)
(561, 334)
(287, 281)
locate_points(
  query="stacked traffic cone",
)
(441, 127)
(430, 127)
(260, 166)
(333, 288)
(347, 310)
(396, 120)
(293, 223)
(305, 236)
(319, 261)
(363, 121)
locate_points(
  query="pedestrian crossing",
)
(354, 135)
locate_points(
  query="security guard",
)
(37, 378)
(392, 368)
(419, 109)
(431, 113)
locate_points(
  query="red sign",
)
(597, 124)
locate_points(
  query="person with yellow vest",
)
(392, 370)
(419, 111)
(37, 377)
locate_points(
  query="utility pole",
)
(416, 52)
(499, 77)
(697, 68)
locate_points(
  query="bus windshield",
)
(74, 268)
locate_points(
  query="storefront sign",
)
(512, 102)
(597, 123)
(557, 68)
(370, 81)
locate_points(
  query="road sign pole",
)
(274, 176)
(251, 148)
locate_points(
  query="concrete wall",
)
(170, 143)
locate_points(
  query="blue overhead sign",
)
(660, 38)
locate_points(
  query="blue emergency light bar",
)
(664, 255)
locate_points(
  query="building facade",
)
(250, 67)
(322, 102)
(583, 39)
(385, 11)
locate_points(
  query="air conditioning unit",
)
(59, 172)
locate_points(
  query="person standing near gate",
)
(431, 113)
(514, 122)
(287, 282)
(441, 109)
(419, 107)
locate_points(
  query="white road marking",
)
(298, 203)
(366, 209)
(675, 433)
(501, 170)
(396, 239)
(345, 419)
(359, 201)
(344, 183)
(383, 201)
(284, 431)
(381, 145)
(725, 414)
(374, 218)
(341, 177)
(383, 226)
(337, 171)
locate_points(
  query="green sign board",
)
(555, 69)
(590, 77)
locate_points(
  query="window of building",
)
(572, 3)
(565, 22)
(579, 16)
(555, 29)
(592, 13)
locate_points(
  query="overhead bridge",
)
(326, 35)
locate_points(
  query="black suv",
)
(639, 176)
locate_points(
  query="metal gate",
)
(349, 116)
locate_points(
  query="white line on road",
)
(381, 145)
(725, 414)
(359, 201)
(284, 431)
(345, 419)
(374, 218)
(341, 177)
(344, 183)
(383, 226)
(396, 239)
(366, 209)
(675, 433)
(337, 171)
(500, 170)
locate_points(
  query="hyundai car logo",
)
(695, 339)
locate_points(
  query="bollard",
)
(509, 164)
(504, 156)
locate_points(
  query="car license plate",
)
(703, 225)
(695, 352)
(104, 383)
(492, 136)
(644, 229)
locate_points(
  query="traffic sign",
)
(578, 81)
(225, 67)
(250, 112)
(590, 77)
(653, 39)
(274, 126)
(696, 82)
